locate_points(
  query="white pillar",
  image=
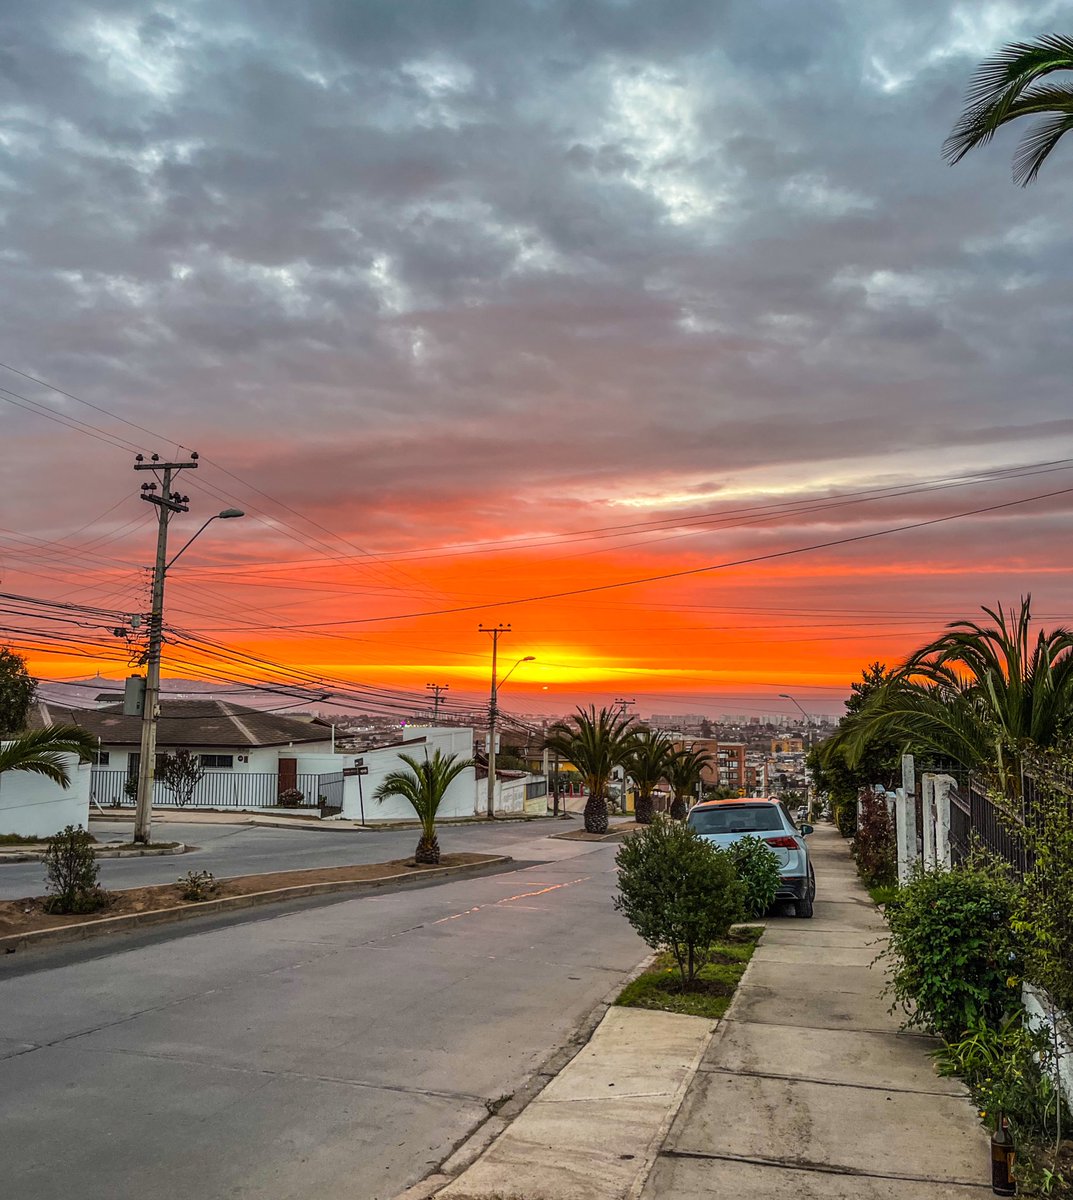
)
(927, 792)
(909, 786)
(943, 784)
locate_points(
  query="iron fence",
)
(216, 789)
(330, 793)
(976, 821)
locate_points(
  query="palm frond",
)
(1005, 88)
(42, 752)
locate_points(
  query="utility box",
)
(134, 696)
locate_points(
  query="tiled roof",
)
(188, 723)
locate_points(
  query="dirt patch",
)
(25, 916)
(615, 834)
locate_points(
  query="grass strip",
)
(711, 992)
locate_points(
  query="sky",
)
(472, 303)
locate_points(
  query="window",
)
(225, 761)
(102, 758)
(736, 818)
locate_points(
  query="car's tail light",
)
(783, 843)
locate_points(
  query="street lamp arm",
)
(225, 515)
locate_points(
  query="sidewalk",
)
(806, 1091)
(811, 1091)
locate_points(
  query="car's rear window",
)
(736, 818)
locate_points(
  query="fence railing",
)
(977, 821)
(217, 789)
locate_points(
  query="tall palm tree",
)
(647, 764)
(686, 773)
(424, 785)
(42, 752)
(595, 743)
(1007, 87)
(979, 694)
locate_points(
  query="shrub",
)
(1045, 916)
(757, 866)
(197, 885)
(182, 772)
(678, 891)
(71, 873)
(875, 847)
(953, 952)
(1008, 1070)
(845, 815)
(291, 797)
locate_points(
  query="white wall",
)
(33, 806)
(461, 798)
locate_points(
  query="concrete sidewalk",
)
(811, 1091)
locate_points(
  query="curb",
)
(24, 856)
(170, 916)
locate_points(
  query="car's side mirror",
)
(804, 830)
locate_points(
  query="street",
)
(229, 850)
(341, 1051)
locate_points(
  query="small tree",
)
(757, 866)
(649, 761)
(875, 846)
(595, 743)
(424, 785)
(678, 891)
(182, 772)
(685, 773)
(71, 873)
(18, 691)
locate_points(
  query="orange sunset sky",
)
(713, 381)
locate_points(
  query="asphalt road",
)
(339, 1051)
(229, 850)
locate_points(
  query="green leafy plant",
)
(757, 866)
(1009, 1069)
(424, 786)
(197, 885)
(594, 743)
(71, 873)
(875, 847)
(953, 954)
(678, 891)
(181, 772)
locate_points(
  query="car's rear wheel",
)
(803, 907)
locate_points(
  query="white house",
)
(249, 756)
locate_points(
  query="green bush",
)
(1045, 915)
(1008, 1070)
(953, 953)
(875, 847)
(845, 816)
(678, 891)
(757, 866)
(71, 873)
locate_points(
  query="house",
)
(249, 756)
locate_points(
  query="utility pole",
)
(495, 631)
(436, 688)
(167, 502)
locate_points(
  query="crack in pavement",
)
(820, 1168)
(868, 1087)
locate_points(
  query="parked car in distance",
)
(727, 821)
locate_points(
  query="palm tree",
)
(979, 694)
(686, 773)
(424, 785)
(1007, 87)
(42, 751)
(648, 762)
(595, 743)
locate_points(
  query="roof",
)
(187, 723)
(736, 800)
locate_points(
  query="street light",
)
(808, 737)
(147, 755)
(492, 714)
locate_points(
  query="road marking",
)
(509, 899)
